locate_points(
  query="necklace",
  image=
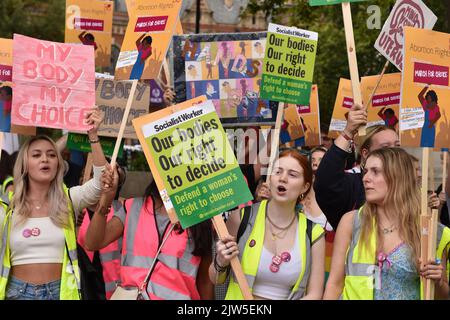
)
(37, 207)
(281, 228)
(388, 230)
(276, 235)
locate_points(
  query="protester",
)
(270, 248)
(180, 270)
(377, 248)
(39, 242)
(338, 192)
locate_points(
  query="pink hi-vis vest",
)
(175, 272)
(109, 256)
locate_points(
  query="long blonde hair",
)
(58, 202)
(402, 200)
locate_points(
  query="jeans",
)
(20, 290)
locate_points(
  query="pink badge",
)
(276, 260)
(286, 257)
(274, 268)
(252, 243)
(35, 232)
(26, 233)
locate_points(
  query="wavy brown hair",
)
(402, 200)
(57, 199)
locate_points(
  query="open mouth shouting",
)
(281, 190)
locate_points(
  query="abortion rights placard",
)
(425, 95)
(90, 22)
(149, 32)
(53, 83)
(412, 13)
(288, 65)
(383, 108)
(342, 104)
(192, 161)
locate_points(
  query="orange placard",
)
(343, 103)
(425, 98)
(6, 89)
(383, 108)
(309, 117)
(90, 22)
(149, 32)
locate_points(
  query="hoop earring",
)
(302, 196)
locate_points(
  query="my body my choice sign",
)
(193, 160)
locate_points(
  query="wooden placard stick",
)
(124, 123)
(166, 70)
(352, 62)
(88, 168)
(431, 251)
(431, 184)
(376, 86)
(275, 140)
(444, 169)
(424, 216)
(222, 232)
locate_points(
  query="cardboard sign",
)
(54, 83)
(383, 109)
(149, 32)
(344, 101)
(424, 107)
(288, 65)
(80, 142)
(327, 2)
(90, 22)
(309, 117)
(412, 13)
(111, 98)
(227, 69)
(6, 91)
(198, 175)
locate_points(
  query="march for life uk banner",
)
(425, 97)
(149, 32)
(288, 65)
(383, 109)
(54, 84)
(192, 161)
(342, 105)
(412, 13)
(90, 22)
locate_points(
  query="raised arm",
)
(421, 96)
(81, 36)
(380, 113)
(138, 41)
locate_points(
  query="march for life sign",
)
(54, 83)
(413, 13)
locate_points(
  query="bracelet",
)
(94, 141)
(104, 211)
(346, 136)
(218, 267)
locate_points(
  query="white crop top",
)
(38, 240)
(277, 285)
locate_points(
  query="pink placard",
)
(88, 24)
(150, 24)
(5, 73)
(347, 102)
(54, 83)
(430, 74)
(387, 99)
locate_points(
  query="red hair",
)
(304, 163)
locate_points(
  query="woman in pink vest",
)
(178, 272)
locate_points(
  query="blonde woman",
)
(38, 248)
(377, 248)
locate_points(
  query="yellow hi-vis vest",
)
(360, 265)
(251, 245)
(70, 274)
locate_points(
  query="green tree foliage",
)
(42, 19)
(331, 60)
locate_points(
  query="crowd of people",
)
(313, 231)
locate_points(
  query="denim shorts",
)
(21, 290)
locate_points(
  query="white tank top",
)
(38, 240)
(277, 285)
